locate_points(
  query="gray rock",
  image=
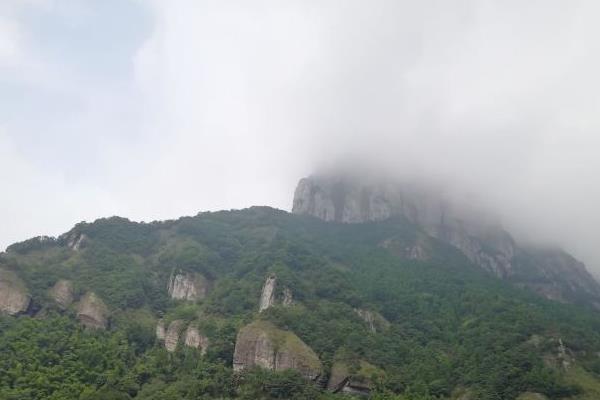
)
(187, 286)
(172, 335)
(261, 344)
(62, 293)
(374, 320)
(160, 330)
(92, 312)
(194, 339)
(267, 296)
(14, 297)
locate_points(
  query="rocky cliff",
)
(353, 378)
(14, 298)
(92, 312)
(350, 199)
(187, 286)
(172, 335)
(62, 293)
(263, 345)
(269, 296)
(196, 340)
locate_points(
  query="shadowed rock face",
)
(351, 199)
(14, 298)
(92, 312)
(62, 293)
(160, 330)
(194, 339)
(190, 287)
(263, 345)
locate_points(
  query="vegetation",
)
(453, 329)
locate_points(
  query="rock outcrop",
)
(269, 297)
(347, 198)
(172, 335)
(196, 340)
(92, 312)
(14, 297)
(353, 379)
(261, 344)
(187, 286)
(62, 293)
(374, 320)
(160, 330)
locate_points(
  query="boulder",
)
(262, 344)
(62, 293)
(172, 335)
(92, 312)
(14, 297)
(194, 339)
(187, 286)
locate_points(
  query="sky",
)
(156, 109)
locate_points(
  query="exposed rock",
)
(349, 198)
(76, 241)
(358, 382)
(62, 293)
(267, 296)
(374, 320)
(187, 286)
(263, 345)
(410, 251)
(92, 312)
(14, 298)
(194, 339)
(288, 297)
(172, 335)
(160, 330)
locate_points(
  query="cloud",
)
(187, 105)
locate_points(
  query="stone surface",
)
(14, 297)
(160, 330)
(172, 335)
(62, 293)
(267, 296)
(92, 312)
(353, 380)
(288, 297)
(187, 286)
(194, 339)
(263, 345)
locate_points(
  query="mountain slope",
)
(393, 308)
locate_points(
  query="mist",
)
(205, 105)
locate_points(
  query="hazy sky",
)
(153, 110)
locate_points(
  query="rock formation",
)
(14, 298)
(347, 198)
(194, 339)
(352, 379)
(62, 293)
(160, 330)
(263, 345)
(172, 335)
(374, 320)
(92, 312)
(267, 296)
(187, 286)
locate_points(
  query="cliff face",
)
(14, 298)
(172, 335)
(263, 345)
(187, 286)
(92, 312)
(348, 199)
(62, 293)
(269, 297)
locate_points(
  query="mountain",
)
(264, 304)
(350, 198)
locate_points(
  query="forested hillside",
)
(263, 304)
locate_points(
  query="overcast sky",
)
(153, 110)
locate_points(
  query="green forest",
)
(443, 328)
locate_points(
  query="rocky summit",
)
(351, 198)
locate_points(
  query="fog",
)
(153, 110)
